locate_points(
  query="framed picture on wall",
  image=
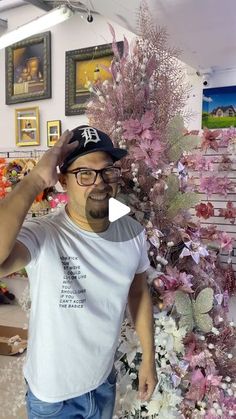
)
(83, 71)
(53, 132)
(219, 107)
(27, 126)
(28, 69)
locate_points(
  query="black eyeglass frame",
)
(75, 171)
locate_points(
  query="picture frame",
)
(219, 107)
(28, 69)
(83, 70)
(53, 132)
(27, 126)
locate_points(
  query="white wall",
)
(194, 103)
(73, 34)
(222, 78)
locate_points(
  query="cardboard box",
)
(13, 340)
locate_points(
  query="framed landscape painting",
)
(83, 71)
(28, 69)
(219, 107)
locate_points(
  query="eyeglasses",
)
(87, 177)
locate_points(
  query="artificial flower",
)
(140, 129)
(197, 386)
(130, 402)
(125, 382)
(209, 139)
(226, 241)
(204, 210)
(223, 185)
(229, 212)
(208, 185)
(200, 163)
(195, 250)
(225, 163)
(165, 403)
(149, 153)
(58, 200)
(174, 280)
(130, 344)
(228, 137)
(209, 233)
(154, 236)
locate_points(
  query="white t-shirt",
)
(79, 284)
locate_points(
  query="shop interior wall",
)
(74, 34)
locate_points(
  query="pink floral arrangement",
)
(139, 108)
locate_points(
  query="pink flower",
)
(199, 162)
(227, 136)
(209, 139)
(173, 280)
(60, 198)
(140, 129)
(197, 387)
(148, 152)
(208, 185)
(226, 242)
(229, 212)
(223, 185)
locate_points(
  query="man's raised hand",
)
(46, 169)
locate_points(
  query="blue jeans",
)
(97, 404)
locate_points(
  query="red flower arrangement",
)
(204, 210)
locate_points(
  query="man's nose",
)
(99, 179)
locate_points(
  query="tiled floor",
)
(10, 315)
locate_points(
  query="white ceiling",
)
(205, 30)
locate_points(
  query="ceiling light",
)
(39, 24)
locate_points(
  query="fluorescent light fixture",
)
(39, 24)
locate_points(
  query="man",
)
(82, 270)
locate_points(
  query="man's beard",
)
(99, 213)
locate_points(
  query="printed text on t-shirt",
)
(73, 295)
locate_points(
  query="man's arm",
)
(140, 307)
(14, 208)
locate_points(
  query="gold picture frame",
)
(83, 70)
(53, 132)
(28, 69)
(27, 126)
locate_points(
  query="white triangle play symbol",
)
(117, 209)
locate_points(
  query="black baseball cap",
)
(91, 139)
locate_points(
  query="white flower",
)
(170, 336)
(165, 404)
(131, 403)
(130, 345)
(124, 383)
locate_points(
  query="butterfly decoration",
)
(194, 313)
(195, 250)
(182, 170)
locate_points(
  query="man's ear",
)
(63, 181)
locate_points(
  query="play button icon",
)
(117, 209)
(122, 226)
